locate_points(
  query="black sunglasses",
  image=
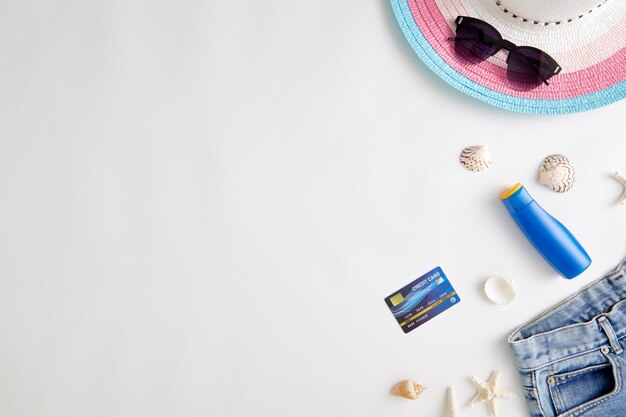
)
(527, 67)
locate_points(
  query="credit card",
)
(421, 300)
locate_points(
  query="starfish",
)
(488, 392)
(622, 180)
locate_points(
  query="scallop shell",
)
(557, 173)
(408, 389)
(475, 158)
(500, 290)
(453, 403)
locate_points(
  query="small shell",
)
(475, 158)
(500, 290)
(557, 173)
(408, 389)
(453, 403)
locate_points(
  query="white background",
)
(203, 205)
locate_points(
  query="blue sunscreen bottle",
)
(557, 245)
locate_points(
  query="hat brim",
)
(437, 64)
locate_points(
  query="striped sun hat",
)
(586, 37)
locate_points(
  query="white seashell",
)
(622, 180)
(453, 403)
(408, 389)
(500, 290)
(557, 173)
(475, 158)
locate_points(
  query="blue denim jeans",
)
(571, 358)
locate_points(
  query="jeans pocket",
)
(577, 390)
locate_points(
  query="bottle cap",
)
(516, 198)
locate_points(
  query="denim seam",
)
(533, 379)
(564, 358)
(557, 329)
(566, 376)
(557, 401)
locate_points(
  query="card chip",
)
(396, 299)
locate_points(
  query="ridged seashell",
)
(500, 290)
(453, 403)
(475, 158)
(408, 389)
(557, 173)
(622, 180)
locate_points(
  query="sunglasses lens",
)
(529, 67)
(477, 40)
